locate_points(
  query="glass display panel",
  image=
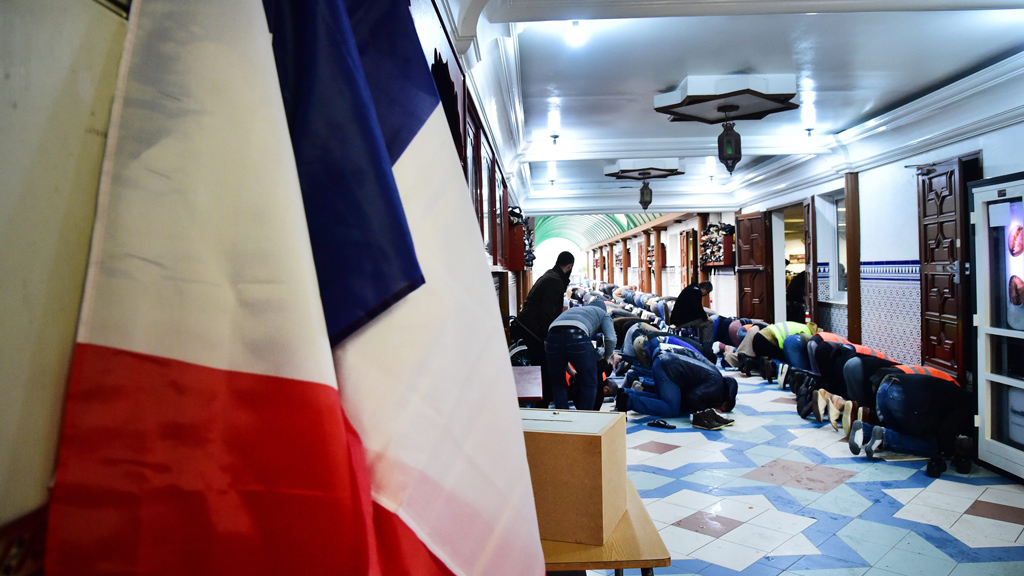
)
(1007, 356)
(1007, 413)
(1006, 254)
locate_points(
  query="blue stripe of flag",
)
(362, 248)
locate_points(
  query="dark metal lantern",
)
(729, 151)
(646, 195)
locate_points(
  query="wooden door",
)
(753, 266)
(944, 253)
(810, 260)
(688, 257)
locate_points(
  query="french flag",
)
(289, 357)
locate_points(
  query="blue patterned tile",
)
(836, 547)
(825, 563)
(911, 564)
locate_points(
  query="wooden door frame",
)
(811, 258)
(851, 183)
(964, 163)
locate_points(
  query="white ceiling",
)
(850, 67)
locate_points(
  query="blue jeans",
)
(894, 415)
(795, 351)
(665, 402)
(571, 345)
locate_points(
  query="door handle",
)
(954, 268)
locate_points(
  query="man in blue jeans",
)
(569, 341)
(921, 415)
(683, 385)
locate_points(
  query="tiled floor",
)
(776, 494)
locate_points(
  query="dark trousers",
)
(765, 347)
(571, 345)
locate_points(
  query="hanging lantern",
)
(646, 195)
(729, 152)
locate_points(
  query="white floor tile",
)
(735, 510)
(1004, 497)
(798, 545)
(683, 456)
(955, 489)
(782, 521)
(804, 497)
(638, 456)
(754, 500)
(929, 497)
(691, 499)
(979, 530)
(756, 537)
(728, 554)
(668, 513)
(928, 515)
(1019, 488)
(903, 495)
(873, 532)
(681, 541)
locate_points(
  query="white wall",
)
(59, 64)
(547, 253)
(778, 263)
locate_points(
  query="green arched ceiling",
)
(589, 229)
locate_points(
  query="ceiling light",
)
(644, 169)
(646, 195)
(575, 37)
(700, 98)
(729, 151)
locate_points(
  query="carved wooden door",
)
(753, 266)
(944, 263)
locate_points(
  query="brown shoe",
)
(835, 413)
(850, 413)
(819, 404)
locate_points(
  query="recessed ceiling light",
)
(575, 37)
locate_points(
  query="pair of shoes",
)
(936, 466)
(659, 423)
(874, 442)
(850, 413)
(783, 372)
(621, 401)
(705, 420)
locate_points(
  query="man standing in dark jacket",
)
(688, 310)
(543, 304)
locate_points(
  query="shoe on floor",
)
(874, 442)
(856, 437)
(835, 413)
(806, 399)
(783, 371)
(936, 466)
(820, 401)
(849, 415)
(721, 418)
(705, 420)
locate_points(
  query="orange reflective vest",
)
(866, 351)
(927, 371)
(830, 337)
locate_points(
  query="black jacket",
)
(544, 302)
(689, 306)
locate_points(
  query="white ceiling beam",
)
(541, 10)
(661, 147)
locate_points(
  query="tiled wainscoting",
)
(891, 308)
(832, 318)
